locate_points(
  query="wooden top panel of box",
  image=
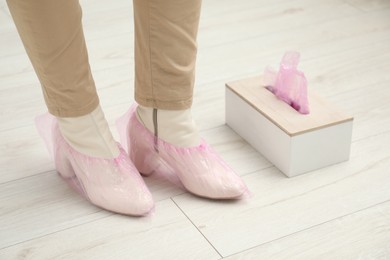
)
(322, 113)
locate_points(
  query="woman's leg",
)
(86, 155)
(52, 34)
(165, 56)
(165, 52)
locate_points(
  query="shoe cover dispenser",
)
(112, 184)
(199, 169)
(288, 84)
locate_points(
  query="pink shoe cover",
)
(289, 84)
(200, 170)
(112, 184)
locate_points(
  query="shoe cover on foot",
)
(112, 184)
(199, 168)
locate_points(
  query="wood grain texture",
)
(168, 235)
(281, 206)
(361, 235)
(322, 112)
(338, 212)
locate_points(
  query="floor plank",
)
(339, 212)
(281, 206)
(39, 205)
(361, 235)
(166, 235)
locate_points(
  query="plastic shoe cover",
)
(112, 184)
(200, 170)
(289, 84)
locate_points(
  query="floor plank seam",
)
(340, 211)
(364, 86)
(370, 136)
(300, 27)
(260, 170)
(19, 126)
(354, 6)
(61, 230)
(200, 232)
(308, 228)
(327, 184)
(26, 177)
(340, 51)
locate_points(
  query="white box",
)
(293, 142)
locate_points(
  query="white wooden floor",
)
(339, 212)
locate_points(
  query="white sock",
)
(174, 126)
(89, 134)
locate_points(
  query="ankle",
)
(173, 126)
(89, 134)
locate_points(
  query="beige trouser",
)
(165, 52)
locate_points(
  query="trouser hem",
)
(163, 104)
(64, 112)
